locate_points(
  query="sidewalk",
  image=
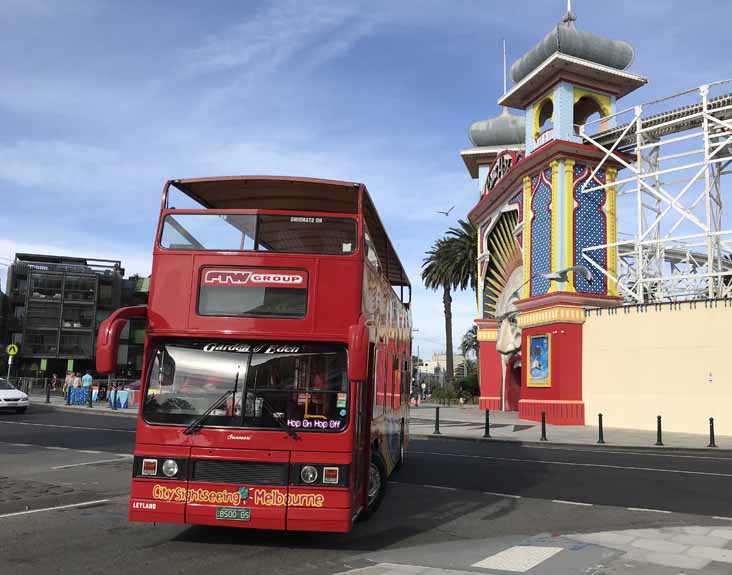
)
(469, 423)
(100, 407)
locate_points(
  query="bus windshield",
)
(302, 386)
(259, 232)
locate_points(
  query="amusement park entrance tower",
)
(546, 197)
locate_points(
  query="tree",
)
(437, 274)
(452, 263)
(470, 342)
(463, 250)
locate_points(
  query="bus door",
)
(363, 402)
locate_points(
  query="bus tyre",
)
(375, 488)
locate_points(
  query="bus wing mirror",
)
(109, 333)
(358, 350)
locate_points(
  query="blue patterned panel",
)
(541, 233)
(590, 229)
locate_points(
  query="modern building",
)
(438, 365)
(55, 305)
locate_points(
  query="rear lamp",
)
(309, 474)
(149, 467)
(170, 468)
(330, 475)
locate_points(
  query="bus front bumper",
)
(253, 507)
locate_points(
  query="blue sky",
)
(101, 102)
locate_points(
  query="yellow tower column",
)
(569, 222)
(612, 233)
(527, 237)
(556, 236)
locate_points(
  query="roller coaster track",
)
(666, 123)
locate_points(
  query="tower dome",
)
(506, 129)
(570, 40)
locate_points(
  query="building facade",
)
(54, 306)
(544, 198)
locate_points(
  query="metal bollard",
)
(89, 399)
(437, 422)
(114, 397)
(487, 432)
(543, 426)
(711, 433)
(659, 438)
(600, 435)
(48, 391)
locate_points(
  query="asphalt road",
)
(448, 492)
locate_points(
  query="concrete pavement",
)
(455, 507)
(469, 423)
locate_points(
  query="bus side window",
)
(370, 250)
(396, 379)
(406, 381)
(379, 383)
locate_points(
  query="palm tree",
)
(463, 242)
(437, 274)
(470, 342)
(451, 263)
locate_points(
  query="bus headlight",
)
(309, 474)
(170, 468)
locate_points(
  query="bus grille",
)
(240, 472)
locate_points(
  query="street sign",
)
(12, 349)
(44, 365)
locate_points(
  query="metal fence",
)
(39, 386)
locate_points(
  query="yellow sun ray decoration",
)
(505, 257)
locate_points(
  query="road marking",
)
(509, 495)
(572, 502)
(85, 503)
(648, 510)
(722, 518)
(55, 448)
(620, 452)
(92, 462)
(598, 450)
(443, 488)
(67, 426)
(518, 559)
(549, 462)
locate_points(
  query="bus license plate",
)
(233, 513)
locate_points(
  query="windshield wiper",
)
(198, 422)
(291, 432)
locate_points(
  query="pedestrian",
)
(77, 380)
(87, 380)
(68, 382)
(54, 382)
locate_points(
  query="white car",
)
(12, 398)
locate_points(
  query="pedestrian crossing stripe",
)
(518, 559)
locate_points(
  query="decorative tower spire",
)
(504, 64)
(569, 18)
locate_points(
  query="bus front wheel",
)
(376, 486)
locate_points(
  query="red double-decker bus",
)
(277, 365)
